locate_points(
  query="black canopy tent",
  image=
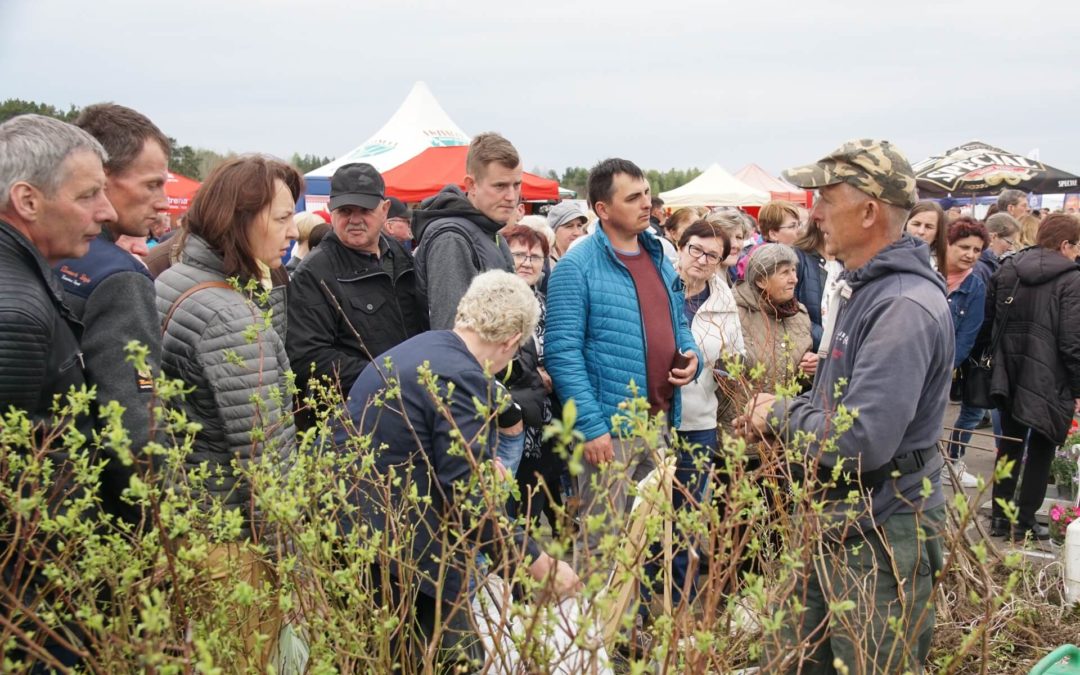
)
(976, 168)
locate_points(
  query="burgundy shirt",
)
(660, 347)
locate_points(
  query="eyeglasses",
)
(1008, 241)
(698, 253)
(789, 226)
(525, 257)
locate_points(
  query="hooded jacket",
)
(889, 357)
(1036, 374)
(777, 344)
(594, 345)
(456, 242)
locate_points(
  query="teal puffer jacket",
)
(595, 340)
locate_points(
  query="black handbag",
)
(977, 373)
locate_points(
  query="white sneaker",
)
(967, 480)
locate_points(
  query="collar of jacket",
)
(384, 246)
(20, 243)
(645, 240)
(198, 253)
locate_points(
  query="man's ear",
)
(600, 208)
(470, 183)
(872, 211)
(513, 343)
(25, 200)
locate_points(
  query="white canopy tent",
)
(419, 123)
(715, 187)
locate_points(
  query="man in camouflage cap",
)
(887, 353)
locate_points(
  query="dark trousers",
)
(536, 477)
(459, 649)
(1040, 453)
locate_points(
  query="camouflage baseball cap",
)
(874, 167)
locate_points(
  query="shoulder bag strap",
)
(999, 326)
(188, 293)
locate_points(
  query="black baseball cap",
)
(398, 209)
(356, 185)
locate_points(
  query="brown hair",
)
(679, 215)
(963, 227)
(122, 131)
(1057, 228)
(772, 214)
(706, 230)
(812, 240)
(490, 147)
(525, 235)
(940, 239)
(234, 193)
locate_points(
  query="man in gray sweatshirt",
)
(886, 355)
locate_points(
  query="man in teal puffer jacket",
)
(614, 322)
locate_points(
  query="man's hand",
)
(808, 364)
(754, 424)
(565, 581)
(599, 450)
(684, 376)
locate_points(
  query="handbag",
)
(977, 373)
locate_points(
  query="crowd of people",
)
(871, 301)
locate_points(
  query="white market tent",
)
(715, 187)
(419, 123)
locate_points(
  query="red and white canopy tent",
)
(180, 190)
(754, 176)
(427, 173)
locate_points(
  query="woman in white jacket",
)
(714, 320)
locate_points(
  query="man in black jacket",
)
(458, 232)
(52, 205)
(370, 301)
(110, 291)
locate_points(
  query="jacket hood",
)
(1037, 265)
(750, 299)
(907, 255)
(451, 202)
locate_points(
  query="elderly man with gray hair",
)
(433, 450)
(52, 205)
(1014, 203)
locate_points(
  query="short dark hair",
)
(1010, 197)
(601, 183)
(317, 234)
(963, 227)
(122, 131)
(657, 203)
(230, 198)
(706, 230)
(1058, 227)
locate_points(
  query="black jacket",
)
(379, 297)
(39, 337)
(1036, 374)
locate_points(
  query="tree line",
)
(196, 162)
(193, 162)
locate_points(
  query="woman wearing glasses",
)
(530, 385)
(1036, 361)
(714, 321)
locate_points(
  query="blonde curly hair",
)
(497, 306)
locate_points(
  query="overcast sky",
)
(666, 84)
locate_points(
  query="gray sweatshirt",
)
(889, 357)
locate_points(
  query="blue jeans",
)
(968, 420)
(693, 465)
(510, 449)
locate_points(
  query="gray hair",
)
(766, 259)
(1009, 198)
(497, 306)
(1002, 224)
(729, 222)
(33, 149)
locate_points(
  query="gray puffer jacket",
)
(207, 345)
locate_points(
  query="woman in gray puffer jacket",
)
(216, 338)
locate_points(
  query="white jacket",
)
(718, 334)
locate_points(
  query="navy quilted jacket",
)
(595, 341)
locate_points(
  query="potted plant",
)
(1064, 465)
(1060, 517)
